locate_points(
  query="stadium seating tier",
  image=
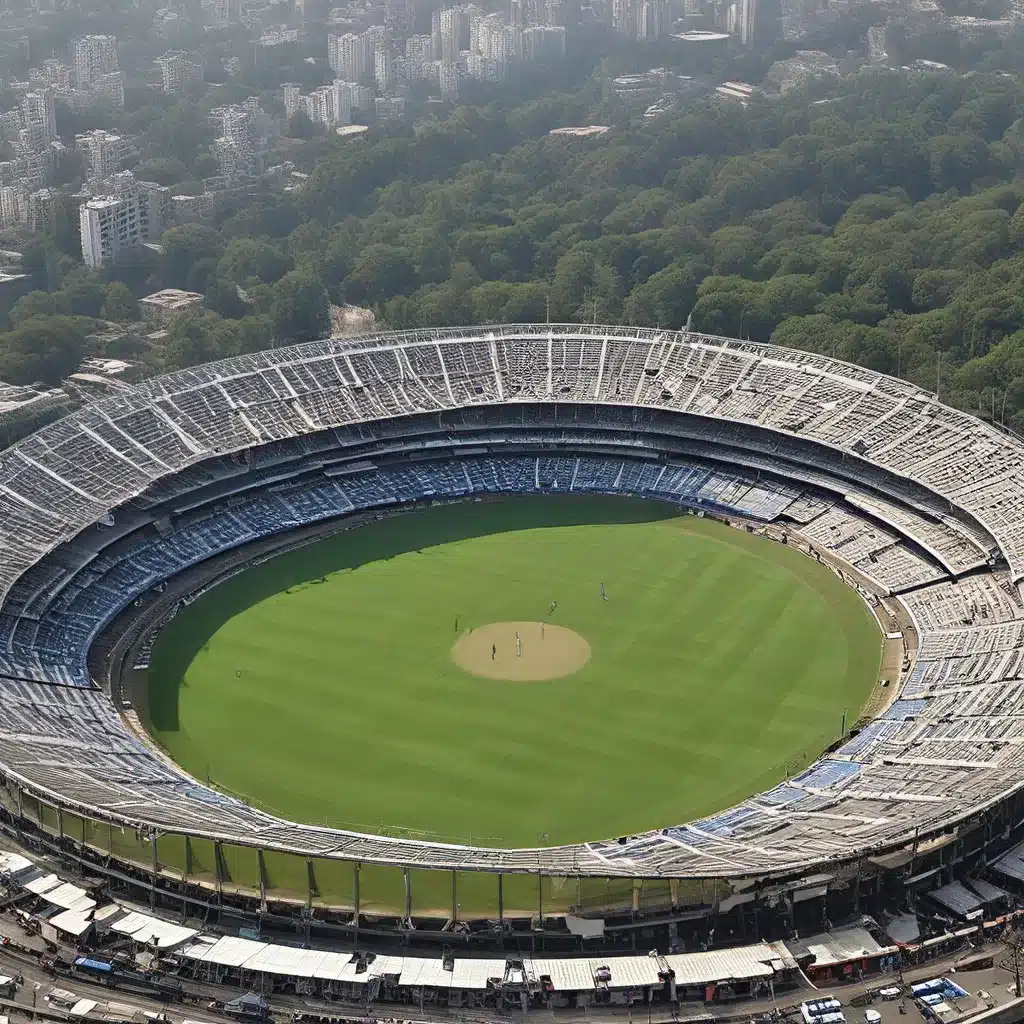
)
(919, 500)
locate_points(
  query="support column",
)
(263, 875)
(220, 866)
(81, 849)
(355, 890)
(110, 836)
(455, 894)
(310, 883)
(188, 857)
(60, 824)
(540, 900)
(408, 894)
(156, 872)
(501, 897)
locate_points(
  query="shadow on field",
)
(187, 634)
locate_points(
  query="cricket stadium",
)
(499, 631)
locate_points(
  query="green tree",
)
(186, 247)
(300, 309)
(33, 304)
(380, 272)
(119, 304)
(666, 298)
(957, 161)
(42, 349)
(193, 339)
(222, 298)
(82, 293)
(244, 259)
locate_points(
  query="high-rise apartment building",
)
(351, 55)
(95, 56)
(29, 169)
(13, 206)
(648, 22)
(41, 209)
(109, 88)
(747, 16)
(485, 69)
(291, 97)
(399, 18)
(333, 104)
(491, 38)
(640, 19)
(419, 49)
(245, 131)
(543, 42)
(51, 72)
(450, 31)
(383, 70)
(319, 105)
(133, 213)
(10, 125)
(448, 79)
(104, 153)
(350, 96)
(389, 108)
(40, 117)
(178, 71)
(108, 225)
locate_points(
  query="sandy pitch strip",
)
(548, 651)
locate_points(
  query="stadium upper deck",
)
(942, 498)
(74, 472)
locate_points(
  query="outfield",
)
(719, 663)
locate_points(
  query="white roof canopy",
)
(152, 931)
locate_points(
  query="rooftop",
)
(172, 300)
(581, 132)
(696, 35)
(15, 396)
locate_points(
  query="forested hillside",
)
(881, 222)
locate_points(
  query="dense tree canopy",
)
(877, 218)
(41, 350)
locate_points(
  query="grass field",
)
(718, 662)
